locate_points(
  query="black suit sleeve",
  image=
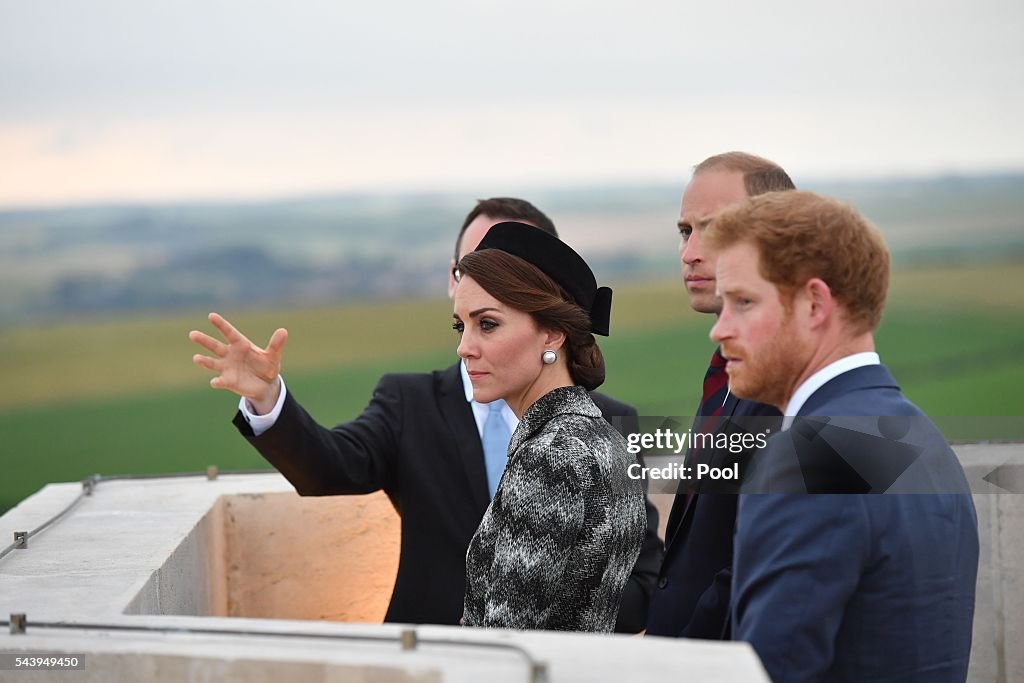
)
(356, 457)
(710, 618)
(640, 587)
(637, 595)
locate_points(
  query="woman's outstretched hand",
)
(241, 366)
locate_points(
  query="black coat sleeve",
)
(355, 457)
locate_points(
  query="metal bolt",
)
(539, 672)
(409, 639)
(21, 540)
(17, 623)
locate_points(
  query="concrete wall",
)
(997, 652)
(193, 579)
(121, 578)
(289, 557)
(278, 555)
(137, 552)
(330, 652)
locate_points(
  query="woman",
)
(564, 528)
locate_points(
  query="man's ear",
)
(451, 279)
(820, 298)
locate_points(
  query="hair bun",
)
(586, 366)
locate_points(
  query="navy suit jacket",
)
(692, 595)
(857, 586)
(418, 441)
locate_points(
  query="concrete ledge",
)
(159, 554)
(319, 651)
(997, 653)
(240, 545)
(192, 580)
(181, 555)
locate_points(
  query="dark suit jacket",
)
(417, 440)
(692, 595)
(853, 586)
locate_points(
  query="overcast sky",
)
(134, 99)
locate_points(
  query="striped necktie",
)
(716, 390)
(495, 443)
(716, 387)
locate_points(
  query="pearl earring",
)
(549, 357)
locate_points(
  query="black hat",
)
(558, 261)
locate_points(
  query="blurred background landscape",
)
(308, 167)
(130, 258)
(98, 302)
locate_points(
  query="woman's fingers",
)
(214, 346)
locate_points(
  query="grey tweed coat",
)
(560, 537)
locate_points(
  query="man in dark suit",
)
(856, 549)
(692, 598)
(421, 439)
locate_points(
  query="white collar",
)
(818, 380)
(467, 385)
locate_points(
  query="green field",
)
(122, 396)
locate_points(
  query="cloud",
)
(114, 98)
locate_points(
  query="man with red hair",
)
(856, 548)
